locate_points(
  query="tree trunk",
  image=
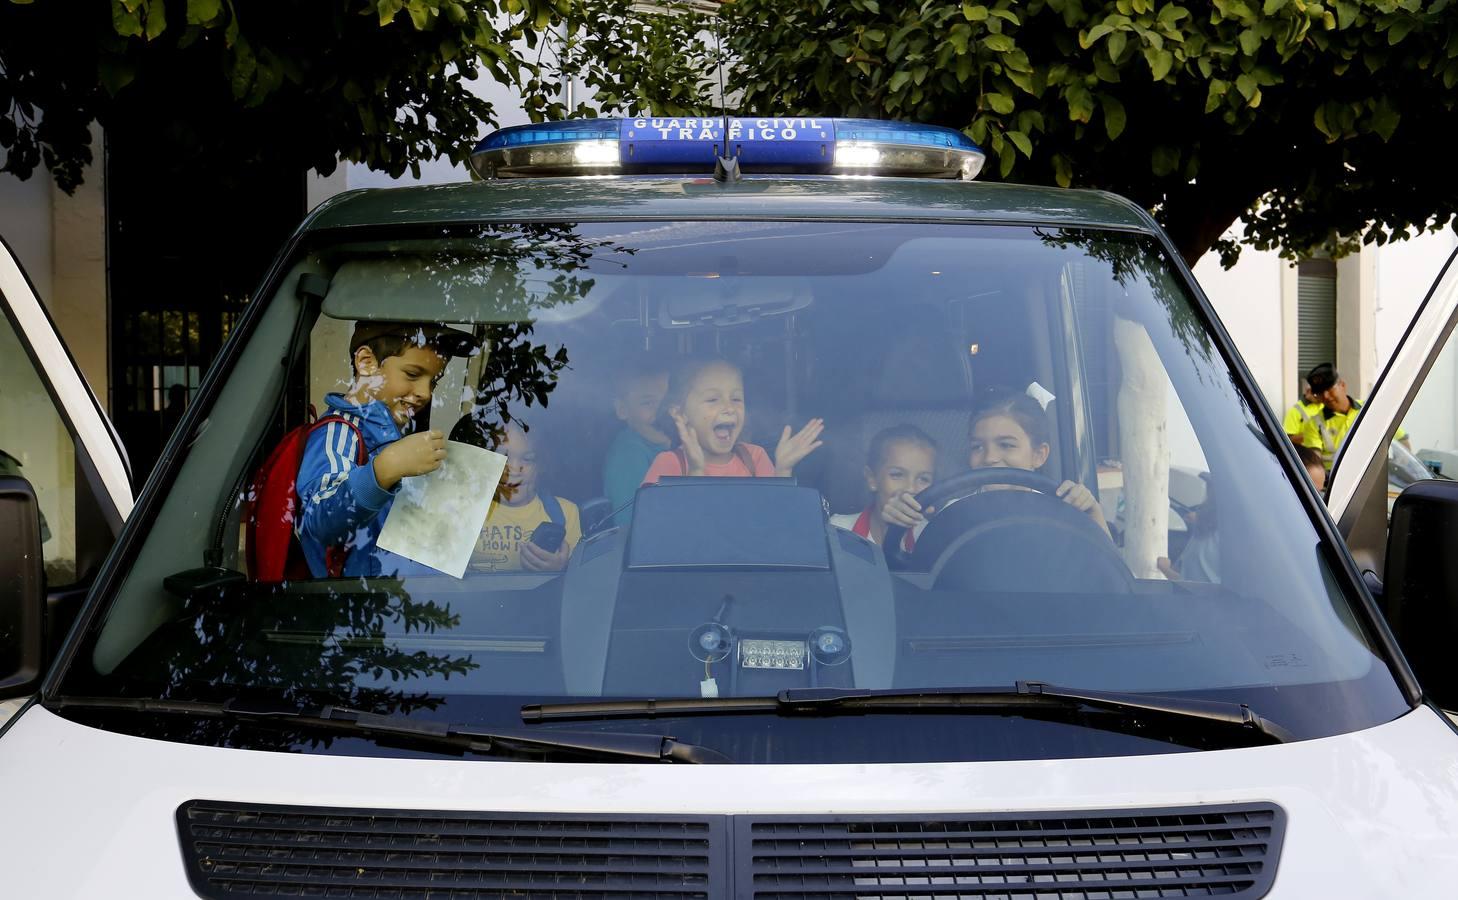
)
(1197, 216)
(1143, 449)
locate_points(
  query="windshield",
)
(674, 460)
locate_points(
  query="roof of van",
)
(753, 197)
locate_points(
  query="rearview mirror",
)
(1421, 584)
(22, 589)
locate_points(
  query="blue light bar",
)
(690, 145)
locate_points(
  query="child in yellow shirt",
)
(521, 521)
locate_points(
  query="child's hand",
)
(1167, 568)
(1082, 499)
(414, 454)
(793, 448)
(693, 451)
(538, 560)
(904, 510)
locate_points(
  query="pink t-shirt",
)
(667, 464)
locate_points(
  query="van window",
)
(1101, 509)
(36, 445)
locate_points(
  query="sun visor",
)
(427, 289)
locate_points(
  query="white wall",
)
(60, 240)
(1248, 300)
(25, 223)
(1405, 272)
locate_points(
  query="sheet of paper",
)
(436, 518)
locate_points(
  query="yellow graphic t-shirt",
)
(498, 547)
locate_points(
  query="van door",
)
(1407, 433)
(54, 435)
(1417, 393)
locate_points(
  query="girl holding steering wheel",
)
(1011, 431)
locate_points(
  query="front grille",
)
(249, 850)
(1209, 851)
(238, 849)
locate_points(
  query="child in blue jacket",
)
(345, 501)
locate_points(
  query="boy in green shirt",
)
(638, 393)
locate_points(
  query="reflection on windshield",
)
(705, 459)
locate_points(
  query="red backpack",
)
(272, 503)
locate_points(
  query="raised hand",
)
(414, 454)
(1082, 499)
(793, 448)
(693, 451)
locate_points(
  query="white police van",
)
(683, 648)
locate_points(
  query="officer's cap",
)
(1322, 377)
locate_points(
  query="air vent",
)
(246, 850)
(1208, 851)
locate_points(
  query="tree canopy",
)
(1316, 123)
(224, 83)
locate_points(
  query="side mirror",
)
(1421, 584)
(22, 590)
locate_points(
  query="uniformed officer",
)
(1339, 412)
(1302, 414)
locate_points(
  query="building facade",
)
(1285, 317)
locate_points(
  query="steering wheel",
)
(1018, 540)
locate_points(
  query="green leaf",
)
(1062, 170)
(203, 12)
(1101, 30)
(115, 74)
(1115, 45)
(1080, 102)
(871, 6)
(1400, 29)
(898, 80)
(1216, 94)
(973, 12)
(156, 19)
(1385, 119)
(958, 37)
(1000, 103)
(1250, 41)
(1000, 43)
(1005, 163)
(1246, 84)
(1164, 160)
(1170, 16)
(1115, 116)
(1274, 6)
(126, 22)
(1160, 62)
(1022, 142)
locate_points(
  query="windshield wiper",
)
(1028, 695)
(399, 730)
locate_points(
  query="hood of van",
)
(1372, 813)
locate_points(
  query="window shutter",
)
(1315, 314)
